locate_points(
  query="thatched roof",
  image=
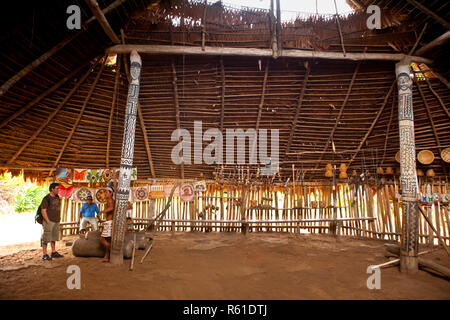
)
(311, 101)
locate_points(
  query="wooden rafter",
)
(33, 65)
(111, 113)
(256, 52)
(430, 13)
(341, 111)
(140, 116)
(388, 129)
(177, 109)
(260, 107)
(369, 131)
(42, 96)
(222, 105)
(297, 111)
(440, 41)
(95, 8)
(444, 107)
(52, 115)
(75, 125)
(433, 127)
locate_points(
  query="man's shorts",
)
(50, 231)
(107, 229)
(92, 221)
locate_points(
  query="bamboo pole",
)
(255, 52)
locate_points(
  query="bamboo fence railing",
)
(367, 211)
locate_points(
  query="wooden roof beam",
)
(31, 66)
(297, 111)
(111, 113)
(51, 116)
(373, 123)
(433, 127)
(222, 106)
(177, 109)
(75, 125)
(439, 41)
(256, 52)
(341, 111)
(42, 96)
(430, 13)
(95, 8)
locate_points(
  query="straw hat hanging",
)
(420, 173)
(389, 170)
(380, 170)
(430, 173)
(445, 155)
(425, 157)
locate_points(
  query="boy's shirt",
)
(89, 211)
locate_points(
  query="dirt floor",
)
(224, 266)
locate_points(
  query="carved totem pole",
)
(126, 163)
(408, 181)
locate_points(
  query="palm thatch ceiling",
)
(68, 111)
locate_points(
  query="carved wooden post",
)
(408, 181)
(126, 164)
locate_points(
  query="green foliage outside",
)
(29, 199)
(23, 196)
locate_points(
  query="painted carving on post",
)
(123, 191)
(408, 180)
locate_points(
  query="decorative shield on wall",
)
(140, 193)
(200, 186)
(187, 192)
(100, 195)
(83, 193)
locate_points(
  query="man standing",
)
(51, 213)
(87, 214)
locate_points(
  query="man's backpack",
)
(39, 218)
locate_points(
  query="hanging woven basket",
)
(445, 155)
(425, 157)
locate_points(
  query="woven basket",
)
(425, 157)
(445, 155)
(430, 173)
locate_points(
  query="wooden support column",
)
(205, 5)
(126, 163)
(410, 233)
(177, 110)
(95, 8)
(141, 118)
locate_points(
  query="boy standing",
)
(51, 213)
